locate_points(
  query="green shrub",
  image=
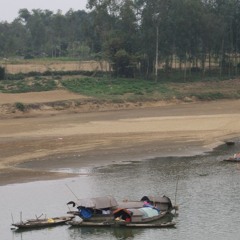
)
(2, 73)
(20, 106)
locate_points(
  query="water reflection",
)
(104, 233)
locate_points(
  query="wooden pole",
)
(156, 63)
(176, 195)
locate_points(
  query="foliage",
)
(118, 90)
(190, 34)
(2, 73)
(20, 106)
(121, 89)
(53, 74)
(20, 86)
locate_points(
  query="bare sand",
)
(32, 144)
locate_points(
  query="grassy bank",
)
(145, 90)
(104, 87)
(120, 89)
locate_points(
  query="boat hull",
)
(164, 219)
(232, 160)
(122, 224)
(42, 223)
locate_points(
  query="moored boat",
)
(103, 208)
(42, 222)
(94, 209)
(127, 213)
(234, 158)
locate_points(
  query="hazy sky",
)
(9, 8)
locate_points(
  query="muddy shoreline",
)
(31, 146)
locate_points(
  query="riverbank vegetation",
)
(137, 38)
(145, 50)
(107, 88)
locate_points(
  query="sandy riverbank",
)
(31, 145)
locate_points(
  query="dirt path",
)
(81, 139)
(39, 97)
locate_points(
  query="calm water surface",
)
(208, 195)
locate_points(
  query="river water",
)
(207, 191)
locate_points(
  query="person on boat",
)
(147, 204)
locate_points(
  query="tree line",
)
(135, 36)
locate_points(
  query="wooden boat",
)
(235, 158)
(94, 209)
(230, 143)
(144, 213)
(42, 223)
(103, 208)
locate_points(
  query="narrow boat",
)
(143, 213)
(230, 143)
(42, 222)
(104, 208)
(234, 158)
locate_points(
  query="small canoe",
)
(42, 223)
(230, 143)
(234, 158)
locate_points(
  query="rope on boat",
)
(72, 192)
(12, 218)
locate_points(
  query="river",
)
(207, 191)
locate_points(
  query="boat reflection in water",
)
(116, 232)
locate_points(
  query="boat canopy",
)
(156, 199)
(162, 202)
(130, 204)
(98, 202)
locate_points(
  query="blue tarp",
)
(85, 213)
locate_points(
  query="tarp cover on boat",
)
(86, 213)
(145, 212)
(149, 212)
(98, 202)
